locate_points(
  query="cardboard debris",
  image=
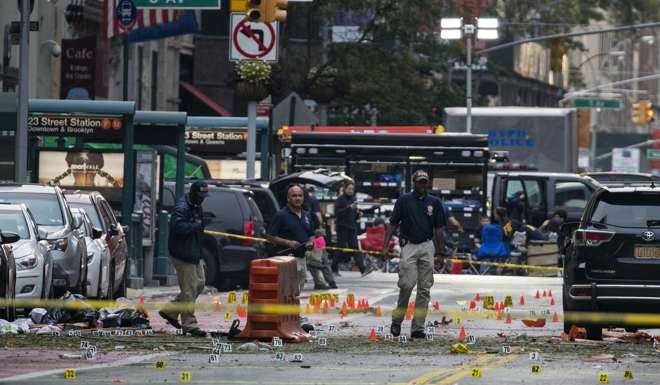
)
(601, 358)
(459, 349)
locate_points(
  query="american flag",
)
(145, 18)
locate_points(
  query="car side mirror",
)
(8, 237)
(42, 234)
(96, 233)
(77, 222)
(114, 230)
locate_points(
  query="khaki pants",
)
(415, 268)
(191, 283)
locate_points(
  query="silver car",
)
(52, 215)
(98, 257)
(34, 262)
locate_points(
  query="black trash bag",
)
(133, 318)
(79, 311)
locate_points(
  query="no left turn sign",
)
(252, 40)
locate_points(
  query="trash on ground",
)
(538, 323)
(601, 358)
(459, 349)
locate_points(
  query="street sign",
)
(126, 14)
(653, 154)
(625, 159)
(253, 40)
(597, 103)
(178, 4)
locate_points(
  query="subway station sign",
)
(84, 126)
(216, 141)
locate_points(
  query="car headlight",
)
(59, 244)
(26, 263)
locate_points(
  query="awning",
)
(196, 92)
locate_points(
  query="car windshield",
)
(45, 208)
(627, 210)
(91, 213)
(14, 222)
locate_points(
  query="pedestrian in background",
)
(420, 217)
(313, 205)
(185, 246)
(346, 217)
(292, 228)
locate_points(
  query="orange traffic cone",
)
(508, 319)
(550, 293)
(555, 318)
(218, 306)
(522, 299)
(332, 301)
(308, 309)
(473, 305)
(372, 335)
(461, 334)
(552, 301)
(436, 306)
(378, 312)
(408, 315)
(538, 295)
(326, 307)
(545, 293)
(366, 303)
(499, 315)
(477, 297)
(344, 310)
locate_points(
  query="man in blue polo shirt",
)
(292, 229)
(421, 217)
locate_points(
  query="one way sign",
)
(253, 40)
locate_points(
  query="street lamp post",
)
(453, 29)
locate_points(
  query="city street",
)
(351, 358)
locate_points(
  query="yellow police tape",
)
(605, 318)
(347, 250)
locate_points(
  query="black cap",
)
(200, 188)
(420, 175)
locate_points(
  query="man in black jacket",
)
(185, 245)
(346, 216)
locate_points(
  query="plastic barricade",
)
(273, 293)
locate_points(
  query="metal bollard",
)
(136, 256)
(161, 260)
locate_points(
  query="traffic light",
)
(255, 10)
(276, 10)
(643, 112)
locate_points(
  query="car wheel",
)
(210, 267)
(594, 332)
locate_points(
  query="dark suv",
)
(228, 210)
(613, 259)
(263, 196)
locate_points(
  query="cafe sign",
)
(85, 126)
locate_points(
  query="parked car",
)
(102, 217)
(544, 193)
(7, 276)
(229, 210)
(52, 215)
(613, 259)
(34, 262)
(613, 178)
(262, 195)
(98, 258)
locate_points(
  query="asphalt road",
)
(350, 358)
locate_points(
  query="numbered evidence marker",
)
(160, 364)
(279, 356)
(476, 373)
(536, 369)
(403, 339)
(179, 332)
(506, 349)
(628, 375)
(277, 342)
(323, 341)
(226, 348)
(84, 344)
(332, 328)
(535, 356)
(69, 374)
(603, 378)
(214, 358)
(297, 357)
(227, 316)
(380, 330)
(75, 333)
(389, 337)
(471, 340)
(184, 376)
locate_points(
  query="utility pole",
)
(23, 96)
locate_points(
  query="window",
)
(14, 222)
(513, 187)
(256, 213)
(627, 210)
(534, 191)
(226, 208)
(570, 195)
(45, 207)
(106, 216)
(91, 213)
(265, 203)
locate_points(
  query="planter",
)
(251, 91)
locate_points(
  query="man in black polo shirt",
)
(292, 229)
(421, 216)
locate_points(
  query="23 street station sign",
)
(216, 141)
(85, 126)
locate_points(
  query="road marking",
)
(467, 372)
(430, 376)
